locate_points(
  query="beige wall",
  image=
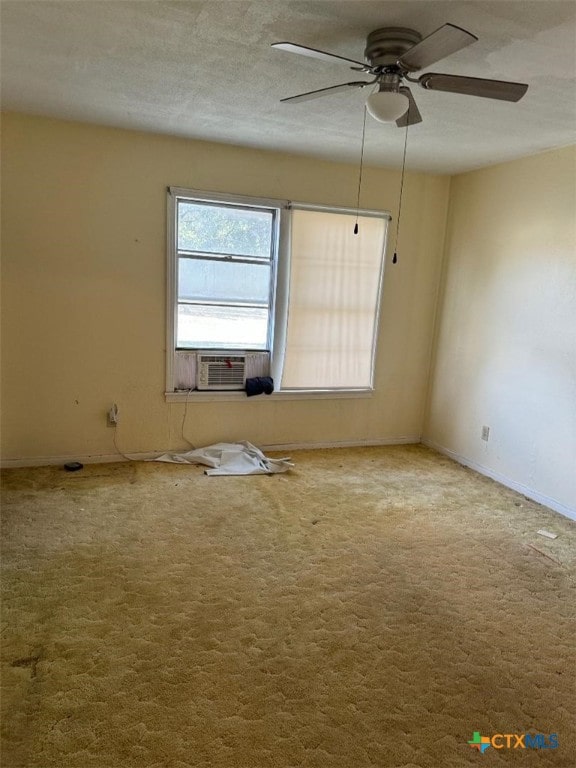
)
(83, 309)
(506, 346)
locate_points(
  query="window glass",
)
(224, 257)
(210, 280)
(217, 327)
(223, 229)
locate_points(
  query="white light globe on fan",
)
(387, 106)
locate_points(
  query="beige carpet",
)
(373, 607)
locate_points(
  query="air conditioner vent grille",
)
(221, 371)
(218, 374)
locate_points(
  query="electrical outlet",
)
(485, 433)
(112, 416)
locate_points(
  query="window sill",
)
(195, 396)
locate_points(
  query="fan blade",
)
(441, 43)
(473, 86)
(326, 91)
(412, 115)
(316, 54)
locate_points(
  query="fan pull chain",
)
(360, 174)
(395, 257)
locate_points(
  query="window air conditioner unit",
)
(220, 370)
(225, 370)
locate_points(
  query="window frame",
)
(279, 207)
(279, 293)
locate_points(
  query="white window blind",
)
(335, 279)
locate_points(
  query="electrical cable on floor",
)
(184, 420)
(128, 458)
(131, 458)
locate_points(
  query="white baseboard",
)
(414, 440)
(45, 461)
(530, 493)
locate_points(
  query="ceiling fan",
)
(391, 55)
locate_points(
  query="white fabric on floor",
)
(230, 459)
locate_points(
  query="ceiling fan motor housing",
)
(389, 82)
(385, 46)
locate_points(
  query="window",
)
(284, 278)
(225, 255)
(334, 298)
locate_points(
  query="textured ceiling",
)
(206, 70)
